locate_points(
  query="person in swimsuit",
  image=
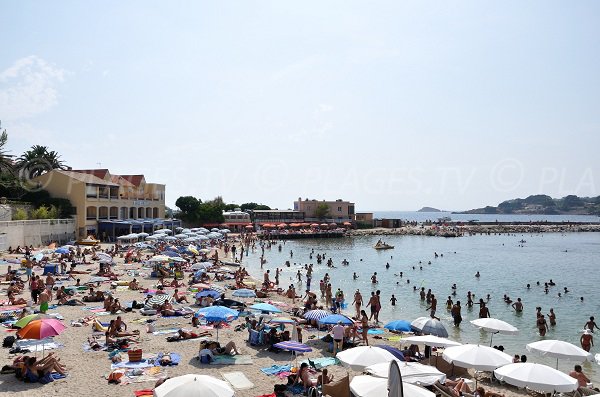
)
(586, 340)
(364, 322)
(542, 325)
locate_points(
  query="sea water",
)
(506, 266)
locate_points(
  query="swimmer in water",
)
(477, 274)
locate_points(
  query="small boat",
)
(89, 240)
(383, 246)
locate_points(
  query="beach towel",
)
(136, 364)
(143, 392)
(275, 369)
(238, 380)
(175, 359)
(232, 360)
(323, 362)
(90, 308)
(166, 331)
(151, 374)
(88, 348)
(374, 331)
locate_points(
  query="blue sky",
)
(393, 105)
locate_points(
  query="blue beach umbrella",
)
(170, 253)
(209, 292)
(293, 347)
(244, 293)
(217, 314)
(265, 307)
(335, 318)
(398, 325)
(62, 250)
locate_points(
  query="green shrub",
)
(20, 215)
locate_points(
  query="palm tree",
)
(39, 160)
(6, 163)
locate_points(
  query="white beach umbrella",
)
(537, 377)
(414, 373)
(164, 231)
(369, 386)
(214, 229)
(559, 349)
(152, 238)
(103, 256)
(190, 239)
(143, 234)
(480, 358)
(181, 235)
(430, 340)
(224, 231)
(359, 358)
(495, 326)
(202, 237)
(186, 230)
(194, 385)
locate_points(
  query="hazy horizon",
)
(386, 104)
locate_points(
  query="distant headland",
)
(542, 204)
(429, 209)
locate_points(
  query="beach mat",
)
(133, 365)
(166, 331)
(238, 380)
(232, 360)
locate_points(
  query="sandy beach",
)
(87, 371)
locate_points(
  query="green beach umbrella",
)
(29, 318)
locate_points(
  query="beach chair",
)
(339, 388)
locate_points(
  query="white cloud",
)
(28, 88)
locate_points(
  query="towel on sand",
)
(232, 360)
(129, 364)
(275, 369)
(238, 380)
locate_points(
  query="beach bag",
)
(135, 355)
(8, 341)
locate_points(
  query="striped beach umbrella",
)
(316, 314)
(158, 300)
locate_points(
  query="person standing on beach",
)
(358, 301)
(373, 304)
(378, 297)
(456, 313)
(364, 323)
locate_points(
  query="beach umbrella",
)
(430, 340)
(104, 256)
(335, 318)
(208, 292)
(559, 349)
(359, 358)
(178, 259)
(395, 385)
(190, 239)
(414, 373)
(224, 231)
(214, 235)
(170, 238)
(495, 326)
(395, 351)
(193, 250)
(62, 250)
(143, 234)
(480, 358)
(217, 314)
(40, 329)
(29, 318)
(429, 326)
(163, 231)
(202, 265)
(160, 258)
(181, 235)
(244, 293)
(214, 229)
(218, 288)
(202, 237)
(184, 231)
(152, 238)
(265, 307)
(170, 253)
(316, 314)
(194, 385)
(293, 347)
(370, 386)
(398, 325)
(536, 377)
(158, 300)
